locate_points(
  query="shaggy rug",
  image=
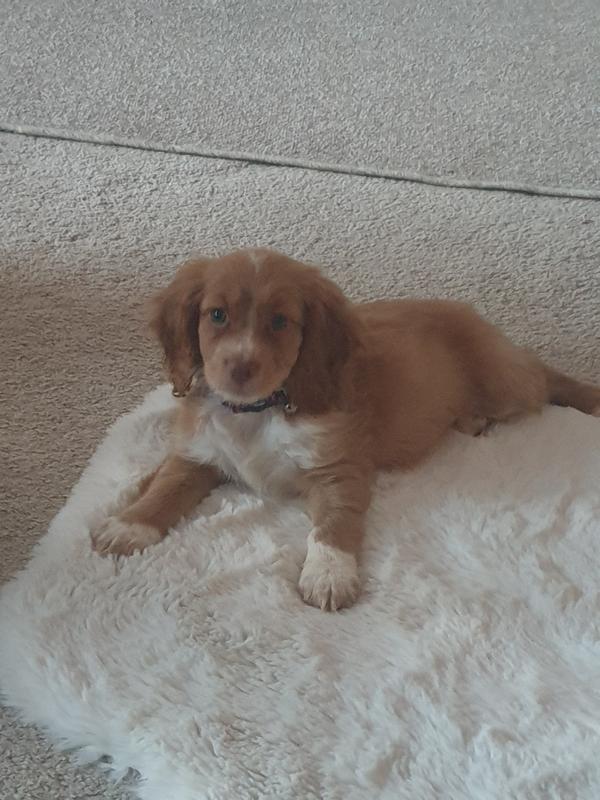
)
(470, 667)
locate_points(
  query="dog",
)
(288, 387)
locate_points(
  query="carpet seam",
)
(106, 140)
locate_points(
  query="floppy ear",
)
(174, 318)
(329, 335)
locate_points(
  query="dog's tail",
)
(566, 391)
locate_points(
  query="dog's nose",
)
(242, 371)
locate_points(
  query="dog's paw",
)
(117, 537)
(596, 412)
(473, 426)
(329, 578)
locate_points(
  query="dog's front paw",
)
(123, 538)
(329, 578)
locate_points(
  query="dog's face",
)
(250, 328)
(254, 321)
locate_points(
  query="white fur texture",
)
(469, 667)
(329, 578)
(263, 450)
(116, 536)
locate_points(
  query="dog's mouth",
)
(239, 396)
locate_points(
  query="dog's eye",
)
(278, 322)
(218, 316)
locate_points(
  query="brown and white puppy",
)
(365, 387)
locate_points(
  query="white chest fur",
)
(265, 450)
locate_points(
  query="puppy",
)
(289, 388)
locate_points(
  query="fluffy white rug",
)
(470, 668)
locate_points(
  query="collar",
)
(277, 398)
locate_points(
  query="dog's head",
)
(255, 321)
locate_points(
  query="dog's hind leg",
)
(516, 382)
(566, 391)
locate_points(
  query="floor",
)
(132, 135)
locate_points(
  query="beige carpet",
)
(86, 232)
(468, 89)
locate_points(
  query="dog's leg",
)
(473, 426)
(337, 504)
(566, 391)
(525, 384)
(174, 490)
